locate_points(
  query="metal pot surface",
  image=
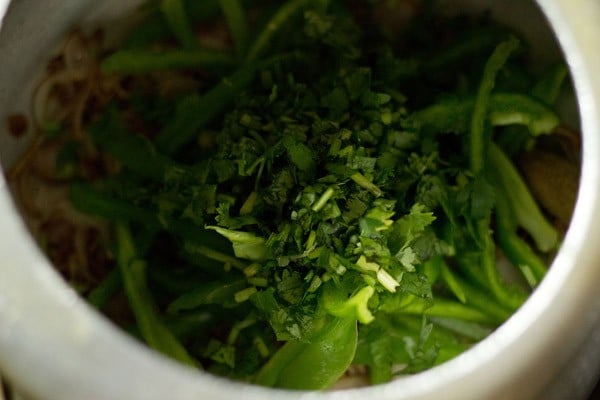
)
(54, 346)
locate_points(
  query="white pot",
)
(53, 346)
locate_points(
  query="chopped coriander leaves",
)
(339, 212)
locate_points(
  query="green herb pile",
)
(325, 194)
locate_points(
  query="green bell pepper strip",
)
(236, 20)
(548, 88)
(177, 19)
(145, 61)
(470, 330)
(133, 274)
(481, 268)
(478, 141)
(509, 297)
(154, 27)
(527, 214)
(315, 365)
(484, 39)
(452, 309)
(516, 249)
(453, 284)
(452, 115)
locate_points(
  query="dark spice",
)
(17, 125)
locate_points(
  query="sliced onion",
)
(79, 110)
(48, 112)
